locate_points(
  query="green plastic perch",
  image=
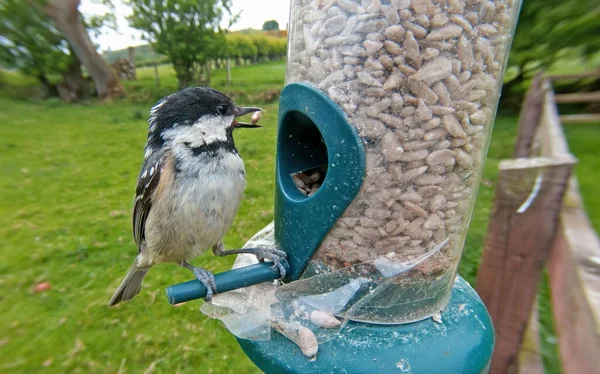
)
(226, 281)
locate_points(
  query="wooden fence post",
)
(522, 226)
(530, 354)
(529, 118)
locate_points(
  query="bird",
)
(189, 187)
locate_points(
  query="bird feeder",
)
(384, 124)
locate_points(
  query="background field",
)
(68, 176)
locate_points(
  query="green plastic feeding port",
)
(313, 133)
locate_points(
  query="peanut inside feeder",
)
(309, 181)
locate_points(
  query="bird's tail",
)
(131, 285)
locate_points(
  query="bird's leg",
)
(262, 253)
(205, 277)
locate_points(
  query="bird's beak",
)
(240, 111)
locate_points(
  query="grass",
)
(68, 174)
(67, 179)
(583, 143)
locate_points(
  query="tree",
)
(66, 17)
(241, 47)
(187, 31)
(33, 45)
(270, 25)
(547, 29)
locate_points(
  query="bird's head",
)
(197, 115)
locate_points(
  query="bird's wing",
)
(148, 182)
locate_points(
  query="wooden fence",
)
(538, 220)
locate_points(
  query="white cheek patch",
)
(184, 134)
(214, 128)
(206, 130)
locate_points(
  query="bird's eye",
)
(222, 109)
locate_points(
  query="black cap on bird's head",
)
(190, 105)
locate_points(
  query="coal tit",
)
(189, 187)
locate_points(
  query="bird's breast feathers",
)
(195, 212)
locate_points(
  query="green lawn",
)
(68, 176)
(583, 142)
(67, 182)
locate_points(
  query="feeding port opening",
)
(302, 155)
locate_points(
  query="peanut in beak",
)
(256, 116)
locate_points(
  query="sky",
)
(254, 14)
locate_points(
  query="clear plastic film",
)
(379, 292)
(246, 311)
(322, 303)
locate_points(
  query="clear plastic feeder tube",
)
(420, 80)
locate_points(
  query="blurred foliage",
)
(187, 31)
(548, 33)
(270, 25)
(96, 24)
(239, 46)
(142, 53)
(31, 43)
(244, 85)
(547, 27)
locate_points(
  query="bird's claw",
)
(273, 254)
(279, 265)
(208, 280)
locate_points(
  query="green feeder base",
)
(462, 343)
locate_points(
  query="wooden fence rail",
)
(537, 219)
(574, 269)
(580, 118)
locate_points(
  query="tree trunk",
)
(185, 71)
(66, 17)
(73, 86)
(511, 98)
(183, 83)
(48, 89)
(228, 72)
(155, 63)
(184, 77)
(208, 73)
(132, 60)
(156, 74)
